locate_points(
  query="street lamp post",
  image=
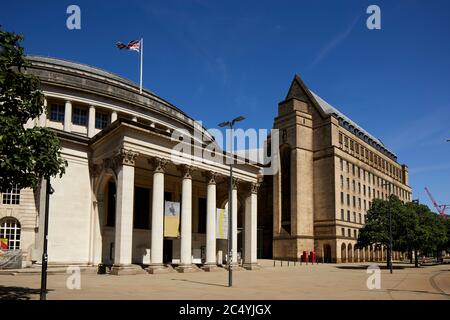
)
(230, 198)
(48, 191)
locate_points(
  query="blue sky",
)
(219, 59)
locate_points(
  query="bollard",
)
(274, 263)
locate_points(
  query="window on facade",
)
(352, 146)
(359, 203)
(364, 189)
(57, 112)
(342, 214)
(348, 167)
(340, 138)
(342, 197)
(202, 215)
(354, 201)
(348, 199)
(349, 233)
(79, 116)
(354, 216)
(348, 183)
(346, 141)
(359, 216)
(359, 187)
(10, 230)
(348, 215)
(141, 208)
(342, 164)
(111, 209)
(365, 206)
(355, 234)
(343, 231)
(101, 120)
(11, 196)
(342, 181)
(354, 185)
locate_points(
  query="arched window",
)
(10, 230)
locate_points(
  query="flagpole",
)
(142, 60)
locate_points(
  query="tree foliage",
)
(26, 155)
(415, 228)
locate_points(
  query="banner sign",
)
(171, 219)
(221, 224)
(3, 244)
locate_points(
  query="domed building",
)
(109, 206)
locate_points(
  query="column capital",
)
(126, 156)
(186, 171)
(211, 176)
(254, 187)
(235, 183)
(158, 164)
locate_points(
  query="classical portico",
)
(117, 161)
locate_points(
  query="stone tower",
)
(293, 201)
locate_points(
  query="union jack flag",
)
(132, 45)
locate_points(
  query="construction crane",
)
(439, 207)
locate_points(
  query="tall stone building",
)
(331, 169)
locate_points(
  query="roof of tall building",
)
(298, 89)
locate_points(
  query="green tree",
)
(26, 155)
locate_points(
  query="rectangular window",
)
(349, 233)
(342, 197)
(340, 138)
(348, 199)
(343, 231)
(346, 142)
(354, 216)
(359, 216)
(11, 196)
(342, 182)
(348, 215)
(201, 215)
(354, 201)
(359, 187)
(354, 185)
(342, 214)
(111, 210)
(57, 112)
(364, 190)
(359, 203)
(141, 208)
(354, 234)
(348, 183)
(101, 120)
(79, 116)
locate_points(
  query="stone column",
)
(68, 117)
(91, 122)
(250, 232)
(43, 116)
(124, 162)
(234, 212)
(156, 252)
(186, 220)
(113, 116)
(211, 260)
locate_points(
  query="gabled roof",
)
(300, 91)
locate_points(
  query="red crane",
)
(439, 207)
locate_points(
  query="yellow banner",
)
(221, 224)
(171, 219)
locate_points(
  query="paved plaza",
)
(322, 281)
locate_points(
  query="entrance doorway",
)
(167, 251)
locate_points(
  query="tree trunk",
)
(416, 259)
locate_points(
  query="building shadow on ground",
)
(199, 282)
(18, 293)
(382, 267)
